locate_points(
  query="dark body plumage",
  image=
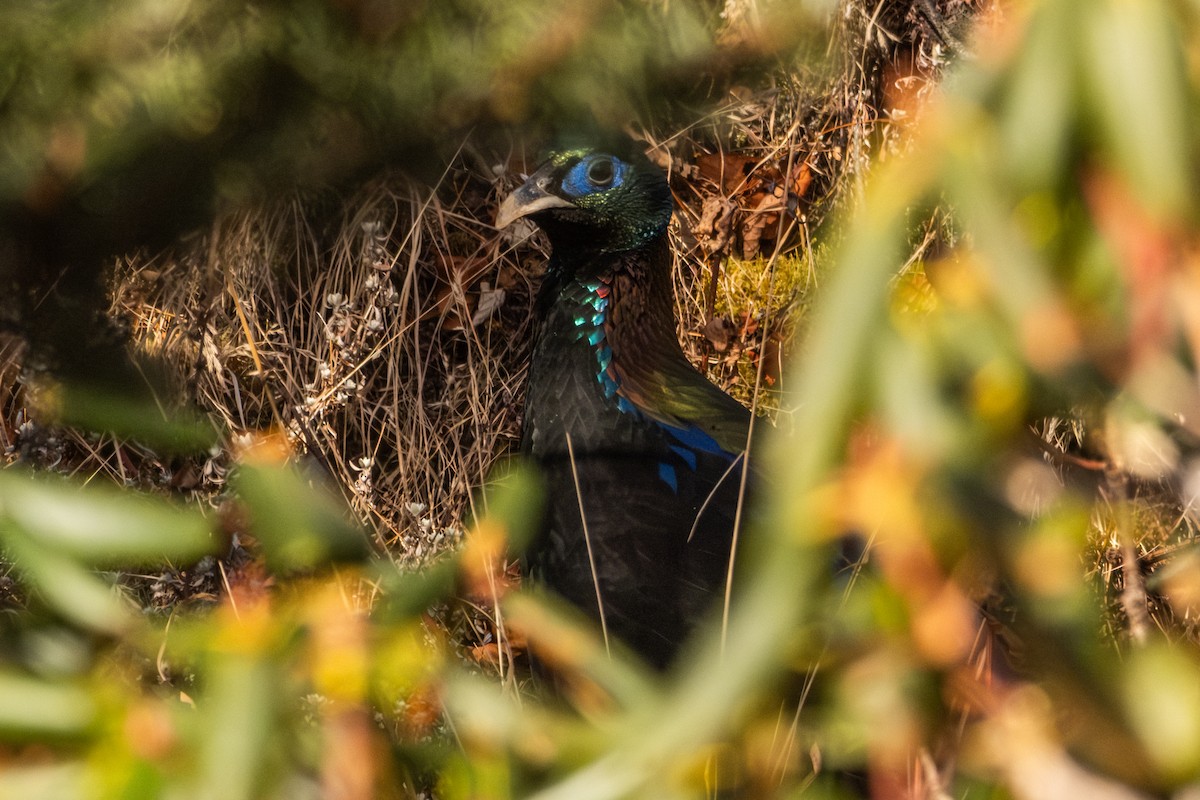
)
(631, 440)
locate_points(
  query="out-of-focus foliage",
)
(129, 120)
(125, 125)
(1067, 159)
(55, 532)
(1057, 166)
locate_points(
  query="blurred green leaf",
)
(101, 525)
(72, 590)
(1161, 693)
(406, 593)
(136, 418)
(48, 782)
(1039, 100)
(300, 525)
(841, 337)
(514, 498)
(32, 708)
(106, 101)
(908, 396)
(239, 744)
(564, 639)
(1137, 83)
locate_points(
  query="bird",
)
(640, 454)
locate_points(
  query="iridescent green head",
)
(593, 199)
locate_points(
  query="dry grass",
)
(368, 340)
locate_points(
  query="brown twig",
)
(1133, 590)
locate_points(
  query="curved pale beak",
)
(530, 198)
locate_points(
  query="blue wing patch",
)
(688, 456)
(667, 473)
(692, 440)
(696, 439)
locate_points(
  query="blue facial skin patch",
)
(578, 184)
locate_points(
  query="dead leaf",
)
(422, 710)
(715, 224)
(484, 567)
(462, 271)
(761, 222)
(773, 359)
(727, 170)
(186, 477)
(508, 276)
(490, 301)
(802, 178)
(903, 89)
(249, 584)
(747, 325)
(486, 654)
(447, 307)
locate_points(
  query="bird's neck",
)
(608, 330)
(623, 301)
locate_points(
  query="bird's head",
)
(593, 199)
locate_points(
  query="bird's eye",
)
(600, 172)
(593, 175)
